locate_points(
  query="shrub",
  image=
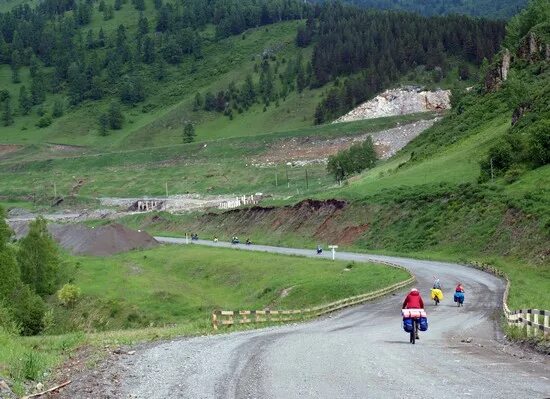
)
(8, 324)
(44, 121)
(28, 310)
(68, 295)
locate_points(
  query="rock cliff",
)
(401, 101)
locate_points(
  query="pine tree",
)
(189, 133)
(101, 38)
(160, 69)
(90, 42)
(108, 13)
(57, 110)
(116, 118)
(38, 258)
(148, 50)
(15, 64)
(25, 102)
(38, 89)
(7, 115)
(96, 88)
(103, 122)
(118, 4)
(77, 84)
(34, 66)
(197, 104)
(143, 25)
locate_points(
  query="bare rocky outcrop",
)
(401, 101)
(499, 72)
(533, 48)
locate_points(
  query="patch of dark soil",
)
(316, 204)
(99, 241)
(101, 382)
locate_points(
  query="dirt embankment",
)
(415, 224)
(99, 241)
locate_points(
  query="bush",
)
(68, 295)
(354, 160)
(28, 310)
(8, 324)
(44, 121)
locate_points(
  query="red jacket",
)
(413, 301)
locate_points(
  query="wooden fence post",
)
(214, 320)
(546, 322)
(528, 319)
(535, 319)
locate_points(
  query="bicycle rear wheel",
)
(413, 332)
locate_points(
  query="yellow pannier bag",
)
(438, 292)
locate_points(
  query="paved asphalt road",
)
(361, 352)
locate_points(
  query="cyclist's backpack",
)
(423, 324)
(407, 324)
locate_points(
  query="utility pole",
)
(276, 180)
(166, 186)
(307, 181)
(54, 190)
(492, 172)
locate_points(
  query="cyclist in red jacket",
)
(413, 300)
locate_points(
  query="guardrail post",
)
(546, 322)
(528, 321)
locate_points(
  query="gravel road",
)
(361, 352)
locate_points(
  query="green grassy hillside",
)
(158, 121)
(213, 167)
(474, 187)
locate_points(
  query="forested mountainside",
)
(479, 8)
(376, 48)
(63, 54)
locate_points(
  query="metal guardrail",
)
(529, 318)
(230, 317)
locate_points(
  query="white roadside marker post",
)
(333, 248)
(186, 238)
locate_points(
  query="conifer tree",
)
(189, 133)
(25, 102)
(7, 115)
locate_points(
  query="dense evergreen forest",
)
(377, 47)
(373, 48)
(479, 8)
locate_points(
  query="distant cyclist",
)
(437, 283)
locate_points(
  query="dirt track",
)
(358, 353)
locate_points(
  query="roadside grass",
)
(183, 284)
(171, 291)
